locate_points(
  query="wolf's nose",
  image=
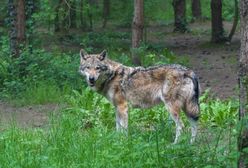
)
(91, 79)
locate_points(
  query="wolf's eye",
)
(87, 67)
(98, 68)
(104, 68)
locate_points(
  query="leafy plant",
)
(215, 112)
(93, 109)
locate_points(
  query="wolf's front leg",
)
(122, 116)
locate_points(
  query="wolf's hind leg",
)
(193, 113)
(174, 110)
(193, 130)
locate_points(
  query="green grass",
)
(83, 135)
(65, 144)
(42, 93)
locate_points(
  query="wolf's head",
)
(94, 67)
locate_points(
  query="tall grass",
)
(83, 135)
(41, 93)
(66, 145)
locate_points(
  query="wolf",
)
(174, 85)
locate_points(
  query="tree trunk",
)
(196, 9)
(217, 25)
(17, 25)
(180, 24)
(3, 15)
(57, 26)
(90, 15)
(13, 31)
(106, 12)
(235, 20)
(64, 14)
(20, 21)
(82, 14)
(30, 8)
(137, 29)
(243, 86)
(72, 11)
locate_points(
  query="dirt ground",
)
(216, 66)
(28, 116)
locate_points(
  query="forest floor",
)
(216, 66)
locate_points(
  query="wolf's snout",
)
(92, 80)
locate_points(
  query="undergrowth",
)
(67, 145)
(83, 135)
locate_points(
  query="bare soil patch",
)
(28, 116)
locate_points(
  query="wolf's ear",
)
(83, 55)
(103, 55)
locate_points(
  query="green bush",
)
(20, 74)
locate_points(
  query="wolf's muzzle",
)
(91, 81)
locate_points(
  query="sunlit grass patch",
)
(41, 93)
(67, 144)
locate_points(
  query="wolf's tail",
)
(193, 107)
(195, 81)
